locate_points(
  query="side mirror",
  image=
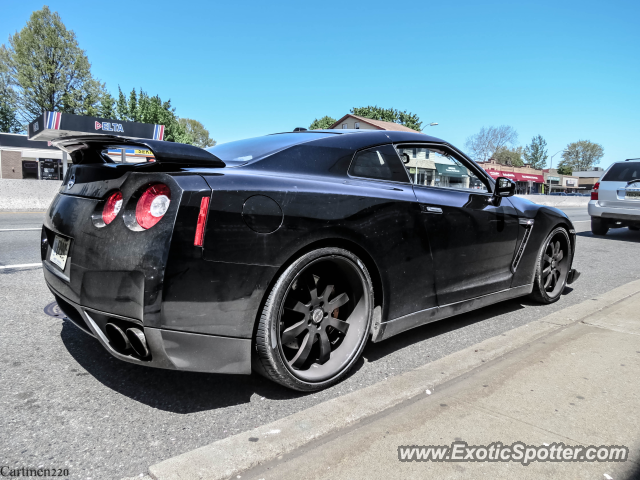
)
(504, 188)
(405, 158)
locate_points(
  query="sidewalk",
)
(570, 377)
(579, 385)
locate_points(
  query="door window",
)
(437, 168)
(381, 163)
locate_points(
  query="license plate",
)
(60, 251)
(632, 195)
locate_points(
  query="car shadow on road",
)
(619, 234)
(376, 351)
(169, 390)
(190, 392)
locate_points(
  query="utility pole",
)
(552, 158)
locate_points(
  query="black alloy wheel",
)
(316, 320)
(554, 263)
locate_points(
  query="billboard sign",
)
(54, 125)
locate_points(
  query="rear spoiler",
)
(88, 149)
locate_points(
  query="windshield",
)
(623, 172)
(250, 149)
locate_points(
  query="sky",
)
(566, 70)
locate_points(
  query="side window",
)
(436, 168)
(381, 163)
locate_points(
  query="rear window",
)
(623, 172)
(251, 149)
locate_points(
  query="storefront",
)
(451, 175)
(50, 169)
(526, 183)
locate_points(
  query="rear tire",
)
(599, 226)
(316, 320)
(554, 262)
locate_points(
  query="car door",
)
(395, 231)
(472, 241)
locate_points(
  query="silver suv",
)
(615, 199)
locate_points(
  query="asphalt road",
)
(19, 237)
(66, 403)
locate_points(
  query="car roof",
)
(379, 135)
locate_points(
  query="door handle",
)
(428, 209)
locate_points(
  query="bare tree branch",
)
(484, 144)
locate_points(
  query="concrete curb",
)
(233, 455)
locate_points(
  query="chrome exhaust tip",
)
(138, 342)
(117, 337)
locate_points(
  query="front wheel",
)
(316, 320)
(552, 268)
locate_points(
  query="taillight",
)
(202, 220)
(152, 205)
(594, 192)
(112, 207)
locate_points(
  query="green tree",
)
(132, 106)
(122, 107)
(509, 156)
(535, 154)
(564, 170)
(405, 118)
(322, 124)
(140, 107)
(48, 68)
(107, 107)
(146, 109)
(197, 131)
(8, 110)
(581, 156)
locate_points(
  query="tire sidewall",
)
(271, 317)
(539, 284)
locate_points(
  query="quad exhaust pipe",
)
(117, 337)
(138, 342)
(124, 341)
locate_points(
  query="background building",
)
(586, 180)
(22, 158)
(528, 180)
(557, 182)
(361, 123)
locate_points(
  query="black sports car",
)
(286, 253)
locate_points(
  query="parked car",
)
(285, 254)
(615, 199)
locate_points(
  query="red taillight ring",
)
(152, 205)
(112, 207)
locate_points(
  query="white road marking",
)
(18, 229)
(21, 265)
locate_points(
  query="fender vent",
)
(527, 223)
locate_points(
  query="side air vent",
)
(527, 223)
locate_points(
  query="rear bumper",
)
(170, 349)
(613, 213)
